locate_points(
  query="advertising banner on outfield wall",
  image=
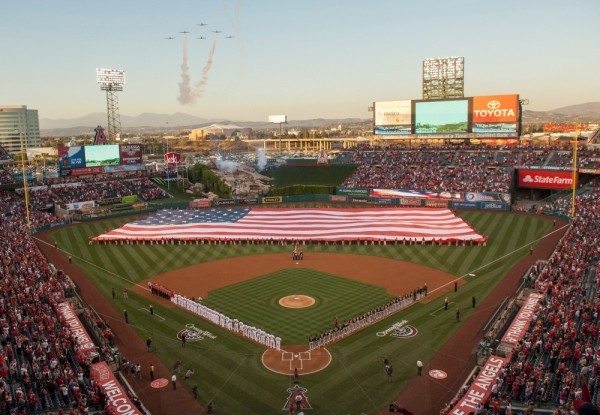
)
(199, 203)
(481, 387)
(410, 201)
(359, 199)
(543, 179)
(247, 201)
(463, 205)
(338, 198)
(224, 202)
(272, 199)
(494, 206)
(352, 191)
(436, 203)
(423, 194)
(384, 200)
(487, 197)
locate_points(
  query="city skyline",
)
(328, 59)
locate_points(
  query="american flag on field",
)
(318, 224)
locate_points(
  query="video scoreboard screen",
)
(492, 116)
(98, 159)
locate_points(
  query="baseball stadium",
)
(428, 278)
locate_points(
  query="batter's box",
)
(287, 356)
(304, 355)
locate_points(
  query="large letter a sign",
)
(100, 137)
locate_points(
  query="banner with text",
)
(544, 179)
(481, 387)
(522, 321)
(69, 319)
(116, 396)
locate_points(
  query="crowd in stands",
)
(6, 177)
(41, 367)
(562, 341)
(560, 352)
(88, 189)
(455, 169)
(145, 189)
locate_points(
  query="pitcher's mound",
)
(296, 301)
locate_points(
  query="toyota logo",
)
(493, 105)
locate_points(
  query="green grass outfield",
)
(229, 369)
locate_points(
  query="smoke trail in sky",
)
(199, 89)
(186, 94)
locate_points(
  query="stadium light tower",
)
(444, 78)
(111, 81)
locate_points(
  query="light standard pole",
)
(24, 173)
(167, 166)
(574, 172)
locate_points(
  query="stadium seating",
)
(40, 369)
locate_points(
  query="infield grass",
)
(231, 371)
(255, 302)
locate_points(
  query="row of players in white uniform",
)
(270, 340)
(232, 324)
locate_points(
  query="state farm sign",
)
(544, 179)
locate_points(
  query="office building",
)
(14, 121)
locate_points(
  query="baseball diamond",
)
(225, 360)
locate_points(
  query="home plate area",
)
(296, 360)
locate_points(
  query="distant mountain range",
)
(161, 123)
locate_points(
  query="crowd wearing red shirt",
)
(455, 168)
(41, 368)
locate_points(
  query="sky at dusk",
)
(305, 59)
